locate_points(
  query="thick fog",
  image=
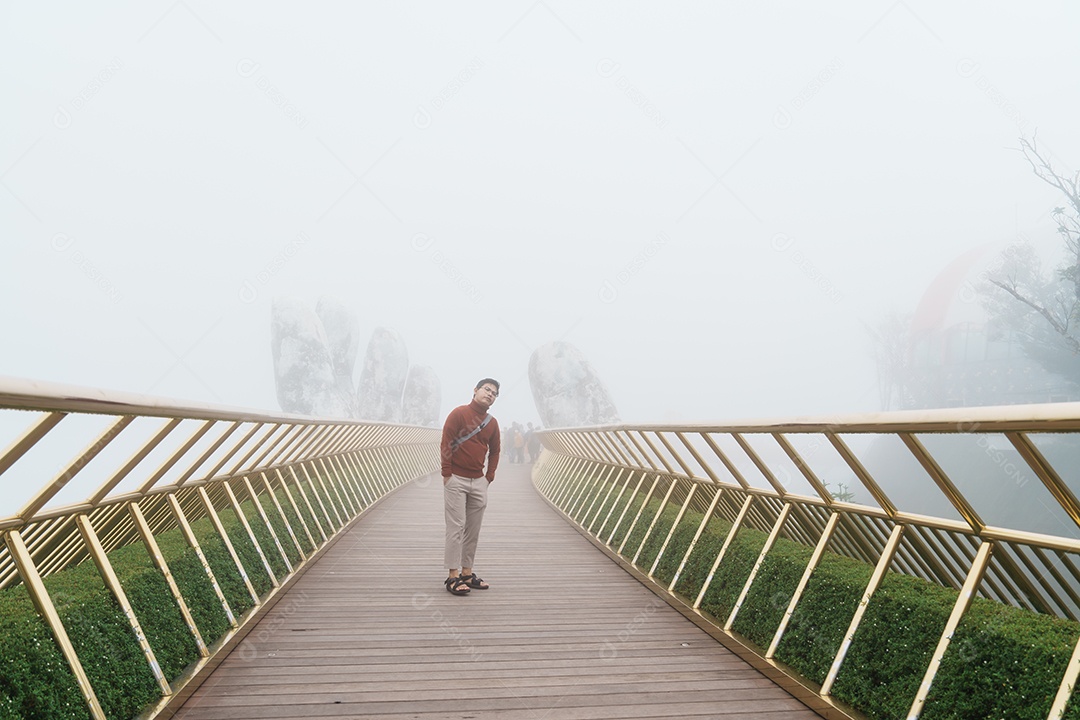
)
(710, 200)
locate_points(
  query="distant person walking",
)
(508, 441)
(532, 442)
(519, 444)
(469, 434)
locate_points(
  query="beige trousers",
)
(464, 500)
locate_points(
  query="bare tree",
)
(1067, 218)
(1043, 308)
(1036, 309)
(890, 338)
(1040, 306)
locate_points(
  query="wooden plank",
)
(370, 632)
(350, 682)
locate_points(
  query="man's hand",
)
(445, 480)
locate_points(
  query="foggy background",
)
(710, 201)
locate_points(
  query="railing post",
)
(596, 497)
(579, 506)
(1068, 683)
(40, 596)
(697, 536)
(318, 477)
(240, 516)
(622, 513)
(189, 535)
(641, 509)
(815, 558)
(871, 588)
(963, 602)
(723, 549)
(757, 565)
(268, 486)
(333, 476)
(101, 560)
(575, 478)
(159, 560)
(655, 518)
(307, 504)
(266, 521)
(674, 526)
(326, 482)
(330, 528)
(607, 495)
(614, 504)
(363, 497)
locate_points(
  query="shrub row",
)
(36, 682)
(1003, 662)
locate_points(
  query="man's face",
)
(485, 394)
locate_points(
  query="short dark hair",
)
(487, 381)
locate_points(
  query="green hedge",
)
(190, 577)
(266, 543)
(659, 533)
(35, 680)
(306, 513)
(309, 520)
(294, 522)
(771, 592)
(579, 508)
(823, 614)
(217, 556)
(702, 556)
(998, 664)
(680, 540)
(731, 575)
(1003, 662)
(893, 646)
(610, 510)
(329, 497)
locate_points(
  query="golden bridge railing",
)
(122, 469)
(821, 483)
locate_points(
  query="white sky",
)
(709, 199)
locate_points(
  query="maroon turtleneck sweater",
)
(468, 459)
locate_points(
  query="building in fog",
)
(957, 356)
(973, 363)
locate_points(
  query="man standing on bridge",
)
(469, 434)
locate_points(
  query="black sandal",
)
(456, 585)
(474, 582)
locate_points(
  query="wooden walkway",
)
(563, 633)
